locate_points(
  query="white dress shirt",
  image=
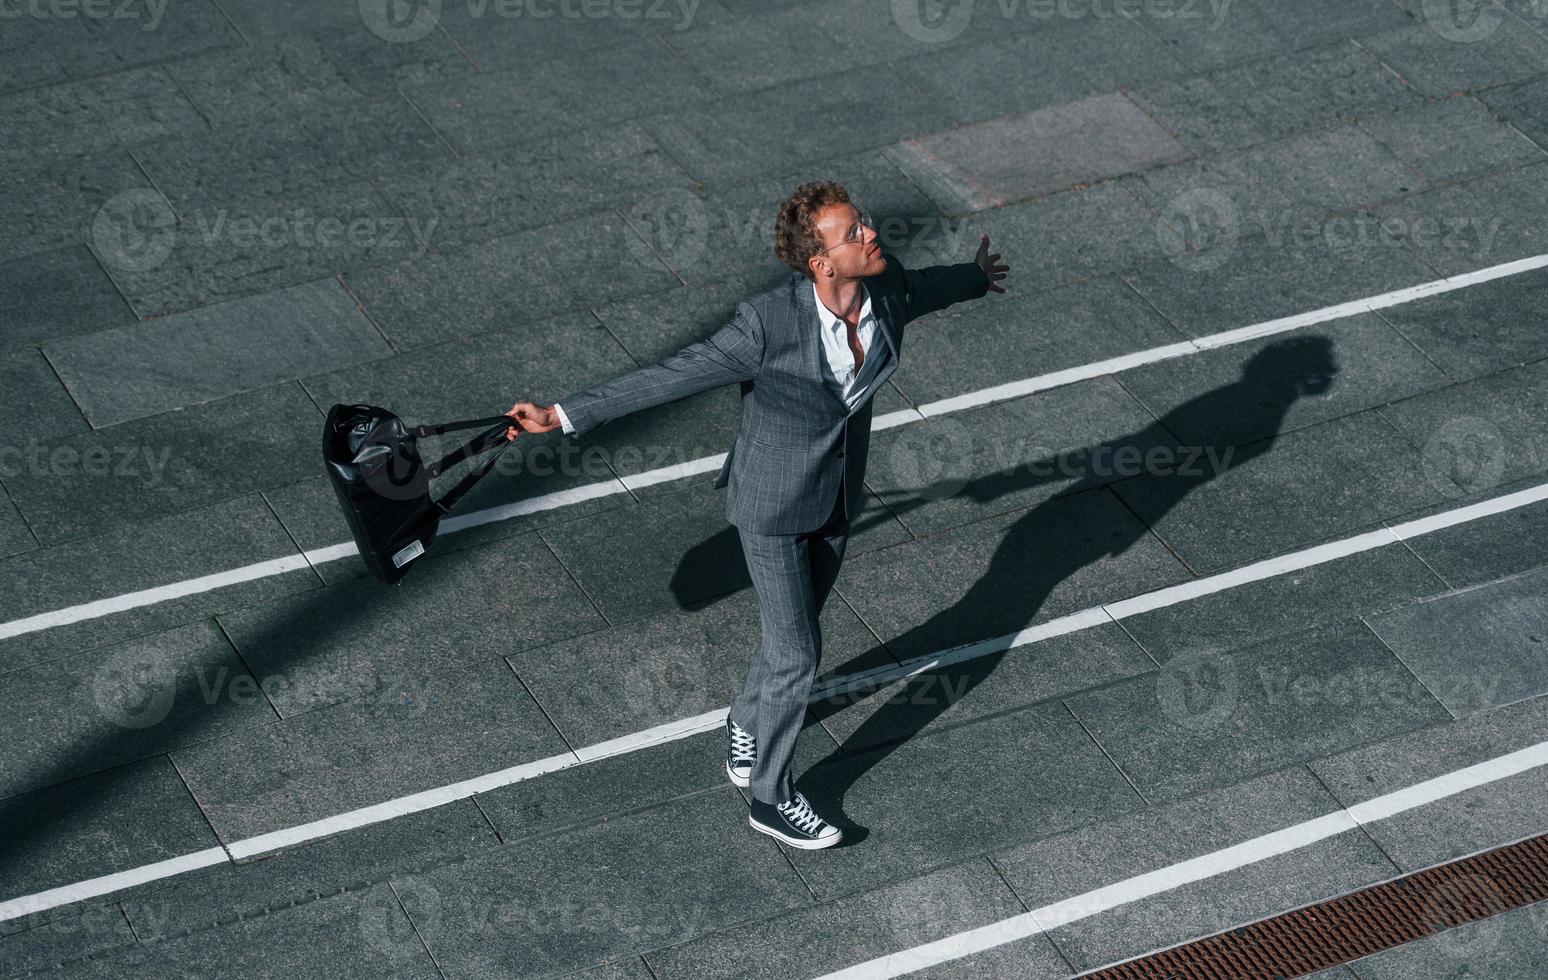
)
(838, 359)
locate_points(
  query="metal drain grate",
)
(1357, 924)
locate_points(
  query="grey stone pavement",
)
(222, 216)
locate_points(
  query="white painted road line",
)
(81, 891)
(1200, 868)
(563, 498)
(710, 720)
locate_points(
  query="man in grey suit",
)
(808, 354)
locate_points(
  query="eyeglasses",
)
(855, 234)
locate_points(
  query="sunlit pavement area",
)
(1244, 480)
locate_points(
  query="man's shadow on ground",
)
(1270, 383)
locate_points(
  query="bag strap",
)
(480, 443)
(420, 431)
(473, 446)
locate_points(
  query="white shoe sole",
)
(740, 781)
(796, 842)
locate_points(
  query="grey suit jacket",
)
(797, 435)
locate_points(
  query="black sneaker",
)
(795, 823)
(741, 754)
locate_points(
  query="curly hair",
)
(796, 238)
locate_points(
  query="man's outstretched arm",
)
(732, 353)
(939, 286)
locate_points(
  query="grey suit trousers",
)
(792, 575)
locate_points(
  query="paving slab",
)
(57, 294)
(97, 825)
(662, 876)
(555, 98)
(496, 36)
(294, 153)
(1475, 224)
(352, 861)
(1480, 433)
(361, 933)
(1488, 548)
(1209, 719)
(1324, 481)
(1523, 105)
(989, 685)
(745, 54)
(1061, 238)
(1266, 187)
(881, 32)
(1364, 583)
(80, 485)
(87, 933)
(1275, 97)
(672, 665)
(1012, 158)
(15, 536)
(1015, 70)
(414, 732)
(1215, 35)
(1001, 575)
(1229, 276)
(1010, 455)
(35, 405)
(1032, 957)
(224, 250)
(360, 638)
(326, 70)
(93, 115)
(1475, 820)
(1443, 57)
(770, 131)
(119, 704)
(50, 51)
(129, 558)
(479, 198)
(1101, 854)
(1477, 331)
(467, 290)
(1453, 139)
(942, 798)
(1477, 648)
(191, 358)
(1002, 339)
(1234, 395)
(852, 930)
(59, 204)
(143, 34)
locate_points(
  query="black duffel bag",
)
(383, 486)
